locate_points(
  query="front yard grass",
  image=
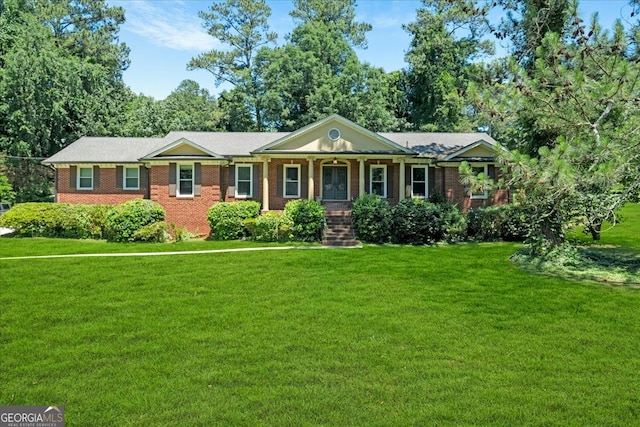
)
(450, 335)
(614, 259)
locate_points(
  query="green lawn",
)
(625, 234)
(450, 335)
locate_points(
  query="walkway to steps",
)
(338, 218)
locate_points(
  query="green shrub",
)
(515, 226)
(250, 225)
(454, 223)
(416, 222)
(180, 234)
(75, 221)
(269, 227)
(483, 224)
(125, 219)
(307, 219)
(437, 198)
(506, 222)
(371, 219)
(158, 232)
(227, 219)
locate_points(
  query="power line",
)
(6, 156)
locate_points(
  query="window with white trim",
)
(291, 181)
(185, 180)
(85, 178)
(244, 181)
(419, 182)
(131, 177)
(477, 170)
(378, 180)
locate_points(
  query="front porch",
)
(332, 179)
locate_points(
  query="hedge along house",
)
(332, 160)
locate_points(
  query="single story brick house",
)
(332, 160)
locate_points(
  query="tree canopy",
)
(61, 67)
(585, 91)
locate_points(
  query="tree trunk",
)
(594, 228)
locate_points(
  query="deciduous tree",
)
(61, 69)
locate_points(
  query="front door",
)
(334, 182)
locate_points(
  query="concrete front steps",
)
(338, 231)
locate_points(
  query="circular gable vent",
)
(334, 134)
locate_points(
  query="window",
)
(292, 181)
(419, 179)
(477, 170)
(85, 178)
(334, 134)
(378, 180)
(185, 181)
(131, 178)
(244, 180)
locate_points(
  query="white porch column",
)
(403, 180)
(361, 183)
(311, 188)
(265, 185)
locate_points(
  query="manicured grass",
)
(614, 259)
(18, 247)
(451, 335)
(624, 234)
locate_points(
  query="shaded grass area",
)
(625, 234)
(612, 265)
(615, 259)
(451, 335)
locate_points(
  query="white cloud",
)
(169, 24)
(387, 22)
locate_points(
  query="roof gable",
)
(477, 150)
(181, 149)
(334, 134)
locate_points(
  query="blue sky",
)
(164, 35)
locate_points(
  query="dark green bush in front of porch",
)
(412, 221)
(307, 218)
(417, 222)
(371, 219)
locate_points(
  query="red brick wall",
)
(439, 177)
(456, 192)
(277, 203)
(191, 212)
(185, 212)
(106, 193)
